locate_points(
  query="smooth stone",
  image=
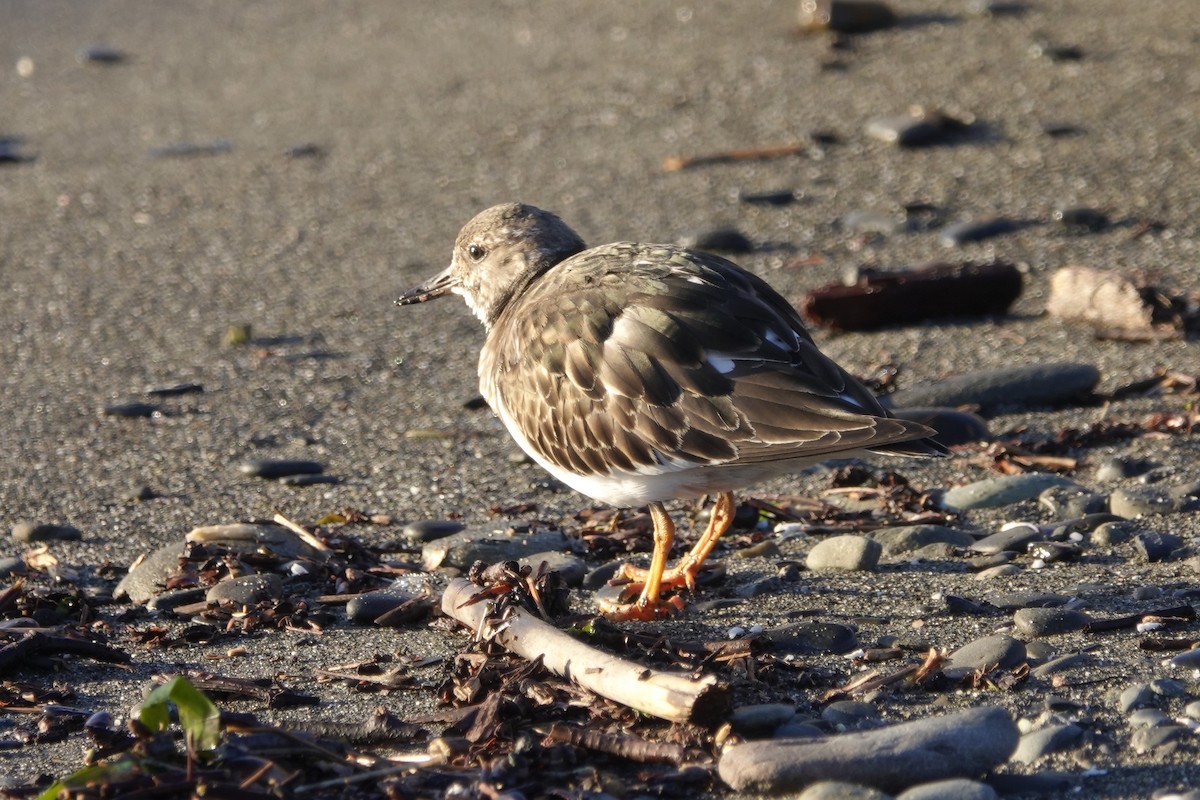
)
(309, 480)
(1192, 710)
(962, 605)
(720, 240)
(368, 607)
(171, 599)
(1061, 664)
(797, 729)
(1013, 387)
(954, 789)
(427, 530)
(13, 566)
(960, 745)
(778, 197)
(1155, 546)
(1136, 696)
(1139, 501)
(1050, 552)
(1081, 218)
(760, 719)
(173, 389)
(908, 538)
(937, 551)
(251, 537)
(848, 553)
(1148, 718)
(845, 16)
(247, 590)
(270, 468)
(601, 575)
(1147, 740)
(990, 560)
(1122, 467)
(1003, 652)
(953, 427)
(45, 532)
(812, 638)
(866, 221)
(145, 579)
(1113, 533)
(1011, 601)
(1050, 739)
(1185, 493)
(1038, 651)
(571, 568)
(1013, 539)
(1002, 571)
(461, 550)
(1005, 490)
(849, 713)
(135, 409)
(1035, 622)
(1072, 502)
(917, 128)
(1147, 593)
(840, 790)
(975, 231)
(1166, 687)
(1189, 659)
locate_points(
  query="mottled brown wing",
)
(652, 358)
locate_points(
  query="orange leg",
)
(657, 577)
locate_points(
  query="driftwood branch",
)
(44, 644)
(666, 695)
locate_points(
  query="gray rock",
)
(1015, 387)
(571, 569)
(1148, 718)
(1062, 664)
(1122, 467)
(1163, 739)
(173, 598)
(961, 745)
(1014, 539)
(849, 713)
(1044, 741)
(246, 590)
(134, 409)
(428, 530)
(269, 468)
(810, 638)
(145, 579)
(461, 550)
(384, 607)
(1136, 696)
(1155, 546)
(954, 789)
(1001, 571)
(1035, 622)
(1192, 710)
(1165, 687)
(760, 719)
(1189, 659)
(846, 553)
(1002, 491)
(11, 566)
(953, 427)
(1140, 501)
(973, 230)
(1071, 502)
(45, 532)
(1000, 651)
(1011, 601)
(1110, 534)
(840, 790)
(913, 537)
(245, 537)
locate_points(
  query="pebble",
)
(247, 590)
(760, 719)
(975, 231)
(11, 566)
(192, 149)
(1072, 502)
(45, 532)
(1005, 490)
(767, 548)
(844, 714)
(863, 221)
(270, 468)
(247, 537)
(1148, 718)
(919, 127)
(845, 16)
(1050, 739)
(1037, 622)
(1192, 710)
(779, 197)
(991, 559)
(1139, 501)
(1121, 467)
(720, 240)
(1002, 571)
(1008, 388)
(1081, 218)
(173, 389)
(963, 744)
(428, 530)
(999, 651)
(840, 790)
(461, 550)
(954, 789)
(1013, 538)
(309, 480)
(145, 579)
(369, 607)
(601, 575)
(1189, 659)
(812, 638)
(1163, 738)
(1136, 696)
(134, 409)
(848, 553)
(908, 538)
(1113, 533)
(1061, 664)
(1012, 601)
(171, 599)
(1156, 546)
(1165, 687)
(953, 427)
(100, 54)
(571, 568)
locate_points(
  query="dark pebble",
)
(761, 719)
(139, 494)
(782, 197)
(1036, 622)
(193, 149)
(963, 605)
(953, 427)
(385, 603)
(246, 590)
(476, 403)
(849, 713)
(1012, 601)
(1072, 502)
(1002, 652)
(45, 532)
(278, 468)
(1138, 501)
(1081, 218)
(1056, 52)
(919, 127)
(907, 538)
(1156, 546)
(99, 54)
(1085, 524)
(1050, 552)
(1059, 130)
(976, 231)
(308, 480)
(306, 150)
(171, 599)
(845, 16)
(10, 147)
(602, 574)
(1008, 388)
(720, 240)
(996, 8)
(811, 638)
(426, 530)
(131, 410)
(174, 389)
(11, 566)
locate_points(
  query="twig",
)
(39, 643)
(299, 530)
(1175, 614)
(666, 695)
(617, 743)
(676, 163)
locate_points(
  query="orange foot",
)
(643, 609)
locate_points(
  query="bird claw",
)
(642, 609)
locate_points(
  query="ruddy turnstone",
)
(641, 373)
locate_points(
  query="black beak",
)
(438, 285)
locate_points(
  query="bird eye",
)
(476, 252)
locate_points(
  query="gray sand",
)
(120, 269)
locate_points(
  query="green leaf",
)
(89, 776)
(199, 718)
